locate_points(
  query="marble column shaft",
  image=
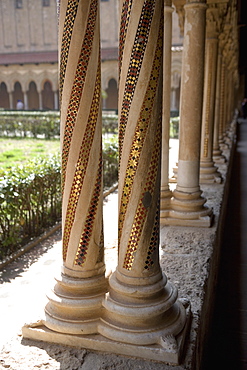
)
(208, 171)
(187, 203)
(75, 304)
(217, 152)
(165, 191)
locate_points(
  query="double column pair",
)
(202, 115)
(186, 206)
(138, 307)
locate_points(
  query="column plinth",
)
(209, 173)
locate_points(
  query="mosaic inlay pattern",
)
(135, 64)
(143, 209)
(141, 130)
(81, 166)
(101, 254)
(78, 85)
(89, 223)
(222, 99)
(154, 241)
(124, 22)
(208, 102)
(66, 39)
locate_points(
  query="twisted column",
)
(142, 307)
(75, 304)
(187, 203)
(165, 191)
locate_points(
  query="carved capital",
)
(215, 18)
(179, 5)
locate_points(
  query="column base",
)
(223, 145)
(165, 201)
(188, 209)
(140, 311)
(144, 312)
(174, 177)
(209, 173)
(75, 305)
(169, 350)
(218, 157)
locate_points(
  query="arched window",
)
(33, 96)
(48, 96)
(112, 95)
(4, 96)
(17, 94)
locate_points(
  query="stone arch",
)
(111, 101)
(47, 95)
(33, 96)
(109, 71)
(17, 93)
(4, 96)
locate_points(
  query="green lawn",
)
(14, 151)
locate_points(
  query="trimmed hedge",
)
(30, 201)
(30, 124)
(42, 124)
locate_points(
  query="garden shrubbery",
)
(30, 201)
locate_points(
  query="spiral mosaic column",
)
(142, 307)
(75, 304)
(165, 190)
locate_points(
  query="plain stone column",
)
(142, 308)
(40, 100)
(208, 170)
(165, 190)
(188, 204)
(11, 104)
(218, 156)
(75, 305)
(56, 105)
(25, 100)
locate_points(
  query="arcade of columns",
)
(136, 311)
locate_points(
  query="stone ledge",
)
(96, 342)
